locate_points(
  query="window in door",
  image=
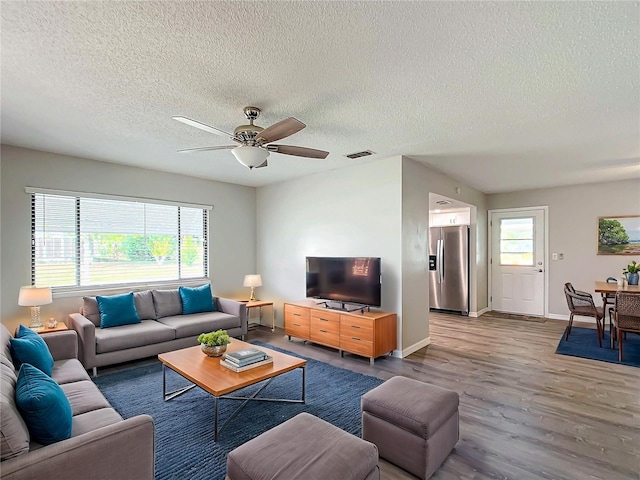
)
(516, 241)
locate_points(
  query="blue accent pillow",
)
(117, 310)
(43, 405)
(197, 299)
(29, 347)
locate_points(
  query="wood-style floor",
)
(525, 412)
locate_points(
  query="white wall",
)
(377, 209)
(418, 182)
(347, 212)
(573, 224)
(232, 231)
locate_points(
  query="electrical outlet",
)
(561, 256)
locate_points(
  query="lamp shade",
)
(252, 281)
(34, 296)
(250, 156)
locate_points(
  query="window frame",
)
(75, 290)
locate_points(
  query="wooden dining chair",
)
(581, 304)
(626, 316)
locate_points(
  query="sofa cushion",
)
(29, 347)
(144, 305)
(117, 310)
(90, 421)
(130, 336)
(69, 370)
(197, 323)
(90, 310)
(167, 302)
(43, 406)
(84, 397)
(14, 435)
(5, 341)
(196, 299)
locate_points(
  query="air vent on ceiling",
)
(443, 202)
(364, 153)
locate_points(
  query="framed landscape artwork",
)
(619, 235)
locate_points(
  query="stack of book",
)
(245, 359)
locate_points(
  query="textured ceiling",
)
(502, 96)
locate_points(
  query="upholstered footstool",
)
(304, 447)
(414, 424)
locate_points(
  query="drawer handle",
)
(323, 331)
(297, 325)
(297, 314)
(355, 338)
(355, 326)
(323, 319)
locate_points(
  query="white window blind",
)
(94, 241)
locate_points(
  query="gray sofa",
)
(102, 445)
(163, 328)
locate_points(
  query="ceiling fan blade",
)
(298, 151)
(280, 130)
(263, 164)
(202, 126)
(206, 149)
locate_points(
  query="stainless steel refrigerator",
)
(449, 268)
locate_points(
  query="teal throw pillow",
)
(29, 347)
(43, 405)
(197, 299)
(117, 310)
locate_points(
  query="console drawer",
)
(296, 321)
(361, 328)
(325, 331)
(355, 344)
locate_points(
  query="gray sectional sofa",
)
(100, 438)
(163, 328)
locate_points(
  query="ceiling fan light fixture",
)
(250, 157)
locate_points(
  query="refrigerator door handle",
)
(440, 267)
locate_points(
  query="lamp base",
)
(252, 298)
(35, 318)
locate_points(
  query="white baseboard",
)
(413, 348)
(576, 319)
(480, 313)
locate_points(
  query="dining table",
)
(607, 288)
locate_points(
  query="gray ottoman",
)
(414, 424)
(304, 447)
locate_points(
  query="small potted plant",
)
(631, 273)
(215, 343)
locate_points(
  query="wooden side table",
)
(60, 327)
(259, 304)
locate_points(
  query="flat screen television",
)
(345, 279)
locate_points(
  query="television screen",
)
(345, 279)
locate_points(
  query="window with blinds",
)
(89, 242)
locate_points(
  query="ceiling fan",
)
(254, 141)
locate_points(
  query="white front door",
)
(518, 261)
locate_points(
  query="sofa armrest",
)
(239, 309)
(121, 450)
(86, 331)
(62, 345)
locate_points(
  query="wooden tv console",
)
(369, 334)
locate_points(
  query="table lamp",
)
(252, 281)
(34, 297)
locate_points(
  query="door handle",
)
(540, 270)
(440, 265)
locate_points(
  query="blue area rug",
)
(184, 425)
(583, 342)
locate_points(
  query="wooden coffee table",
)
(207, 373)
